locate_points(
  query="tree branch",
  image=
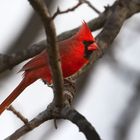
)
(80, 2)
(18, 114)
(55, 113)
(121, 10)
(52, 49)
(59, 12)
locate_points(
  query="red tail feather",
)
(16, 92)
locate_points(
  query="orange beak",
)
(93, 47)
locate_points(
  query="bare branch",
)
(81, 122)
(18, 114)
(59, 12)
(53, 112)
(80, 2)
(56, 113)
(52, 49)
(121, 10)
(39, 119)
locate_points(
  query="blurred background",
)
(108, 94)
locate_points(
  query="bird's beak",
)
(93, 47)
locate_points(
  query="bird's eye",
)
(87, 43)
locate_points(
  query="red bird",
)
(74, 53)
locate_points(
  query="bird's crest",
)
(84, 33)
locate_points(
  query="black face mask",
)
(87, 52)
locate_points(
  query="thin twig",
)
(18, 114)
(80, 2)
(91, 6)
(59, 12)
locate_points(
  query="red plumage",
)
(72, 55)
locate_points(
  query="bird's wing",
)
(36, 62)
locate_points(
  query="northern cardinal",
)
(74, 53)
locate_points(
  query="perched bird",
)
(74, 54)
